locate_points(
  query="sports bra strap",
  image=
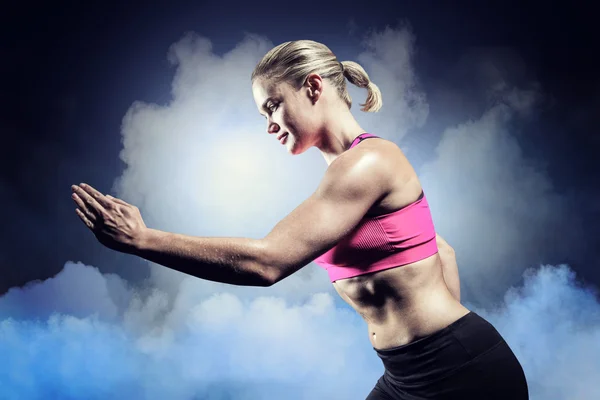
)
(360, 138)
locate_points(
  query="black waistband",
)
(433, 356)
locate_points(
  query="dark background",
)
(71, 70)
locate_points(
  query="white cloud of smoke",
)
(227, 347)
(90, 344)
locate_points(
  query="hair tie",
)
(342, 66)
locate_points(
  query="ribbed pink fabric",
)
(382, 242)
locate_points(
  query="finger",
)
(89, 201)
(82, 207)
(99, 197)
(85, 220)
(117, 200)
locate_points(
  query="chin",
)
(296, 149)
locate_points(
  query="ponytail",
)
(359, 77)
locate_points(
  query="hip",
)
(468, 357)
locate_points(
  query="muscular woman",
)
(368, 224)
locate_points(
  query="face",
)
(290, 113)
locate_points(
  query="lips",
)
(282, 137)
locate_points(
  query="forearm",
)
(235, 261)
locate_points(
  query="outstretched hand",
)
(116, 224)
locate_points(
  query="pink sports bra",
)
(385, 241)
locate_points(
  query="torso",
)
(404, 303)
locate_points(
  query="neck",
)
(337, 136)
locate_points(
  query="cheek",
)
(289, 118)
(295, 118)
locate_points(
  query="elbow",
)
(275, 266)
(269, 276)
(276, 273)
(273, 273)
(268, 266)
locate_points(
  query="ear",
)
(314, 84)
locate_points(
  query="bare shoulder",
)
(375, 159)
(366, 166)
(382, 146)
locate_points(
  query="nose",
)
(272, 127)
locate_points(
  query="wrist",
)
(144, 240)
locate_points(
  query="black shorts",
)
(468, 359)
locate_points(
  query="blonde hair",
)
(293, 61)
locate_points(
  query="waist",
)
(412, 322)
(401, 303)
(438, 354)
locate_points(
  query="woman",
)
(368, 223)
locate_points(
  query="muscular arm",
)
(237, 261)
(349, 188)
(449, 266)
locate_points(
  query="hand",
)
(116, 224)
